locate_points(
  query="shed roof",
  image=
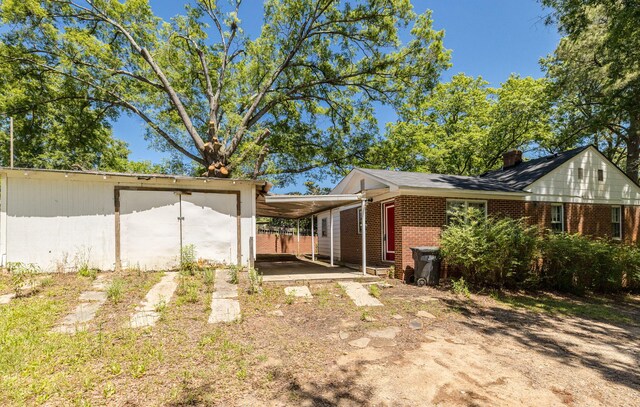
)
(140, 176)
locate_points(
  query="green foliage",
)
(255, 281)
(209, 278)
(460, 287)
(22, 277)
(233, 273)
(463, 127)
(209, 92)
(114, 291)
(490, 251)
(188, 260)
(507, 252)
(594, 72)
(575, 263)
(84, 270)
(289, 299)
(374, 290)
(187, 290)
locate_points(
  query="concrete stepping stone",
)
(224, 304)
(425, 314)
(6, 298)
(386, 333)
(159, 296)
(85, 312)
(359, 295)
(382, 343)
(396, 316)
(343, 335)
(298, 291)
(415, 324)
(360, 343)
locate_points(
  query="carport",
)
(307, 206)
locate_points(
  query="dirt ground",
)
(477, 351)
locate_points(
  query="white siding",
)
(58, 224)
(58, 221)
(324, 243)
(563, 185)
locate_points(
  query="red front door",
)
(389, 238)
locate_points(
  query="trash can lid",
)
(427, 249)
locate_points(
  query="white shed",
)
(58, 219)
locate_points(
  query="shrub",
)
(22, 277)
(233, 274)
(209, 278)
(255, 281)
(460, 287)
(575, 263)
(490, 251)
(188, 261)
(114, 291)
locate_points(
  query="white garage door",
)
(150, 227)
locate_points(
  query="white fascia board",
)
(311, 198)
(452, 193)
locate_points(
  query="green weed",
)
(114, 291)
(460, 287)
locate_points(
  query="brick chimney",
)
(511, 158)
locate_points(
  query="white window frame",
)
(465, 206)
(562, 221)
(619, 221)
(359, 220)
(323, 227)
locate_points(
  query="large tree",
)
(595, 72)
(55, 126)
(299, 95)
(465, 126)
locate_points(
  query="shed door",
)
(149, 229)
(210, 224)
(151, 224)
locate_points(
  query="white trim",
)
(385, 251)
(619, 207)
(311, 198)
(466, 206)
(562, 216)
(464, 194)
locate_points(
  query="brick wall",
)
(419, 222)
(350, 239)
(279, 244)
(587, 219)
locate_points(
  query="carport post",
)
(313, 242)
(298, 232)
(363, 219)
(331, 235)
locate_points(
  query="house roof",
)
(423, 180)
(527, 172)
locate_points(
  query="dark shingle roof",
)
(423, 180)
(527, 172)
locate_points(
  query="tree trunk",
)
(633, 147)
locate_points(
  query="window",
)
(323, 228)
(359, 221)
(580, 173)
(600, 175)
(557, 218)
(454, 207)
(616, 222)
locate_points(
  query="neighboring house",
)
(59, 220)
(577, 191)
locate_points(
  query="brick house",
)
(576, 191)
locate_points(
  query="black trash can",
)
(426, 265)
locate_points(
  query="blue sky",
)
(488, 38)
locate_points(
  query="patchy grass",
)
(264, 359)
(588, 307)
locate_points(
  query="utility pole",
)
(11, 141)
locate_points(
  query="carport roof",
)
(300, 206)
